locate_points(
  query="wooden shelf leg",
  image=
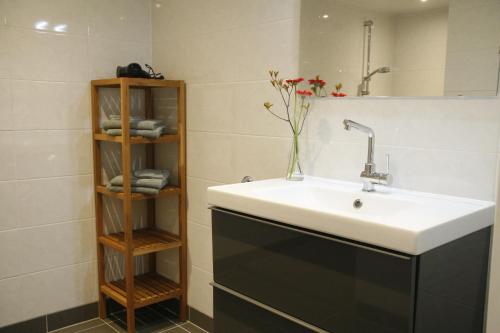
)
(150, 163)
(181, 125)
(96, 149)
(101, 269)
(127, 206)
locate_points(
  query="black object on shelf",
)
(131, 70)
(135, 70)
(153, 75)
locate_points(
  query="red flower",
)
(304, 92)
(295, 81)
(338, 94)
(318, 82)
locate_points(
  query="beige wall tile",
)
(36, 55)
(53, 153)
(50, 105)
(51, 200)
(8, 205)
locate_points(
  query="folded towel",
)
(118, 117)
(152, 174)
(157, 183)
(150, 124)
(117, 123)
(150, 134)
(141, 124)
(135, 189)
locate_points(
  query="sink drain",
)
(357, 203)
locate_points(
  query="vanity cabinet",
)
(271, 277)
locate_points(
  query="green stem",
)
(294, 158)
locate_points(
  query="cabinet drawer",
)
(234, 315)
(331, 283)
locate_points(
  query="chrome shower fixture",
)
(364, 87)
(365, 83)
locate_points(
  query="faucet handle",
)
(388, 179)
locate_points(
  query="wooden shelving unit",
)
(136, 291)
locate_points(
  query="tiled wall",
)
(334, 46)
(420, 53)
(49, 51)
(472, 60)
(223, 49)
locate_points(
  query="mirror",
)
(402, 47)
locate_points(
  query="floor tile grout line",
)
(88, 329)
(201, 328)
(182, 328)
(81, 322)
(173, 322)
(106, 323)
(171, 328)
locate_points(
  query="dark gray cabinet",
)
(271, 277)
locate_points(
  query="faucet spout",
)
(369, 175)
(349, 124)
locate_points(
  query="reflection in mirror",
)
(402, 47)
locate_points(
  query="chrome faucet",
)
(369, 175)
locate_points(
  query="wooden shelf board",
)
(137, 83)
(144, 241)
(167, 138)
(166, 191)
(149, 288)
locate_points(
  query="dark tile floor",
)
(148, 320)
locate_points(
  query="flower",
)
(294, 82)
(317, 85)
(304, 93)
(317, 82)
(337, 92)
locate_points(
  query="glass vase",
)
(294, 171)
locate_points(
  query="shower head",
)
(364, 86)
(368, 23)
(381, 70)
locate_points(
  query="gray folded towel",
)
(135, 123)
(152, 174)
(117, 123)
(157, 183)
(150, 124)
(119, 116)
(150, 134)
(135, 189)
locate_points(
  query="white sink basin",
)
(405, 221)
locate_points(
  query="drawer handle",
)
(268, 308)
(400, 256)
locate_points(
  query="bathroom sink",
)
(405, 221)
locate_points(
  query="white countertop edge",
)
(407, 241)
